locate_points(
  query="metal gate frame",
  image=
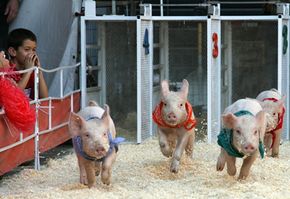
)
(144, 121)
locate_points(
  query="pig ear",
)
(76, 123)
(184, 89)
(106, 115)
(93, 103)
(262, 123)
(164, 88)
(229, 120)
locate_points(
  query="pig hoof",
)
(174, 167)
(106, 182)
(275, 155)
(166, 152)
(174, 170)
(220, 164)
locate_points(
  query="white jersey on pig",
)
(273, 104)
(93, 133)
(175, 119)
(243, 131)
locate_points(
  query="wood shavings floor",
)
(142, 172)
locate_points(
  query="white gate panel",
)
(283, 68)
(144, 79)
(214, 75)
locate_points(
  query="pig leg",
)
(164, 145)
(221, 160)
(267, 143)
(97, 168)
(83, 174)
(107, 168)
(276, 144)
(189, 146)
(247, 163)
(90, 170)
(181, 143)
(231, 165)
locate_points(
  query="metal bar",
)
(161, 7)
(61, 83)
(242, 2)
(280, 39)
(209, 81)
(249, 18)
(139, 47)
(178, 5)
(114, 7)
(59, 68)
(178, 18)
(83, 82)
(109, 18)
(49, 113)
(36, 130)
(17, 143)
(151, 75)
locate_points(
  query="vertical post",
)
(49, 113)
(61, 83)
(139, 113)
(113, 7)
(83, 82)
(283, 61)
(161, 8)
(36, 130)
(213, 73)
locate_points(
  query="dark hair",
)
(17, 36)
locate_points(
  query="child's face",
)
(28, 47)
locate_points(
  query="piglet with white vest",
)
(93, 134)
(244, 125)
(273, 104)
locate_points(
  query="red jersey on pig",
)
(175, 120)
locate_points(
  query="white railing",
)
(37, 101)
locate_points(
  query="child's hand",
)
(31, 60)
(3, 61)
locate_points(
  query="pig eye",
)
(87, 135)
(256, 132)
(238, 132)
(180, 105)
(274, 114)
(165, 104)
(105, 134)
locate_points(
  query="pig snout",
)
(171, 117)
(249, 148)
(100, 150)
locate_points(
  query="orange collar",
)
(188, 124)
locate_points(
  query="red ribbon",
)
(188, 124)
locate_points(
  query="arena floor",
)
(142, 172)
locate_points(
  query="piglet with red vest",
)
(244, 125)
(93, 134)
(175, 120)
(273, 104)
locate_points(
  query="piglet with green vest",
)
(94, 139)
(244, 125)
(176, 123)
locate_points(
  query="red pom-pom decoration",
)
(16, 105)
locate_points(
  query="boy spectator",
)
(22, 45)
